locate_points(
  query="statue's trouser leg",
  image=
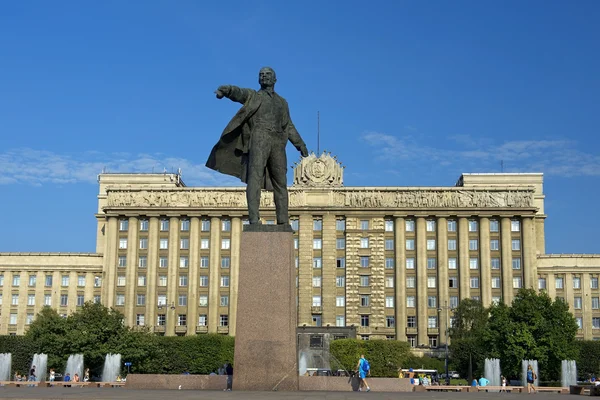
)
(277, 165)
(257, 161)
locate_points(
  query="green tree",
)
(47, 334)
(588, 360)
(385, 356)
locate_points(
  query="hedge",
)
(385, 356)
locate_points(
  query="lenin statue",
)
(252, 146)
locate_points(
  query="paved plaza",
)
(122, 393)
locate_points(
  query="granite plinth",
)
(268, 228)
(185, 382)
(265, 343)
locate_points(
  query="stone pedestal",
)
(265, 343)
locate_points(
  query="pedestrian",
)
(483, 381)
(229, 372)
(32, 376)
(86, 376)
(363, 369)
(503, 381)
(531, 377)
(52, 376)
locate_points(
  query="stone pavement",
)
(122, 393)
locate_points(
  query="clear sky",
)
(411, 93)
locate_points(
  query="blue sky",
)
(411, 93)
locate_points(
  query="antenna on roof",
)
(318, 133)
(501, 165)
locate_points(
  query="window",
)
(576, 282)
(317, 262)
(316, 281)
(143, 243)
(453, 282)
(184, 262)
(410, 263)
(225, 262)
(31, 300)
(29, 319)
(163, 262)
(205, 225)
(389, 244)
(64, 280)
(410, 301)
(433, 341)
(495, 300)
(203, 281)
(411, 321)
(340, 243)
(515, 225)
(141, 300)
(389, 281)
(473, 244)
(203, 300)
(341, 262)
(452, 263)
(182, 300)
(495, 263)
(140, 319)
(432, 322)
(143, 262)
(317, 225)
(364, 261)
(48, 282)
(123, 243)
(516, 263)
(204, 262)
(451, 225)
(390, 321)
(316, 301)
(495, 282)
(181, 320)
(410, 244)
(494, 225)
(81, 280)
(594, 283)
(410, 281)
(202, 320)
(32, 280)
(161, 320)
(317, 244)
(430, 225)
(143, 225)
(340, 225)
(473, 263)
(340, 281)
(340, 320)
(183, 280)
(579, 321)
(225, 244)
(516, 244)
(364, 280)
(595, 303)
(15, 300)
(453, 303)
(296, 243)
(340, 301)
(451, 244)
(223, 320)
(162, 280)
(432, 302)
(97, 281)
(430, 244)
(13, 319)
(184, 243)
(226, 225)
(364, 243)
(163, 243)
(541, 283)
(295, 224)
(517, 283)
(364, 320)
(431, 263)
(472, 225)
(389, 301)
(47, 300)
(64, 300)
(410, 225)
(364, 300)
(224, 300)
(164, 225)
(121, 280)
(389, 263)
(431, 282)
(123, 225)
(494, 244)
(162, 300)
(595, 322)
(474, 282)
(364, 224)
(141, 280)
(389, 225)
(558, 283)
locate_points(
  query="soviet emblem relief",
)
(321, 171)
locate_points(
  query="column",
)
(39, 292)
(540, 238)
(172, 276)
(130, 278)
(463, 258)
(22, 316)
(234, 273)
(328, 270)
(586, 300)
(213, 278)
(442, 267)
(192, 307)
(110, 263)
(151, 299)
(485, 261)
(305, 252)
(506, 260)
(551, 288)
(529, 249)
(400, 284)
(72, 292)
(421, 246)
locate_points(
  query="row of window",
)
(64, 300)
(182, 300)
(430, 225)
(161, 320)
(559, 283)
(65, 280)
(142, 280)
(390, 263)
(184, 225)
(184, 243)
(163, 262)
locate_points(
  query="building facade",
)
(390, 261)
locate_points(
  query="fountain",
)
(534, 366)
(75, 366)
(568, 374)
(492, 371)
(41, 362)
(302, 363)
(112, 368)
(5, 366)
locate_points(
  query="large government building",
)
(391, 261)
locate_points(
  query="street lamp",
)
(445, 307)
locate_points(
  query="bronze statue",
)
(252, 146)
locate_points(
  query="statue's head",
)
(267, 77)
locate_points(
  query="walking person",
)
(531, 377)
(86, 376)
(229, 372)
(363, 369)
(52, 376)
(503, 382)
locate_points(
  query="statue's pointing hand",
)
(222, 91)
(304, 151)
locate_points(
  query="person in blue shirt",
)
(474, 383)
(531, 377)
(363, 371)
(483, 381)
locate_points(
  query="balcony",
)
(181, 329)
(433, 331)
(364, 329)
(316, 310)
(411, 331)
(159, 328)
(222, 329)
(201, 329)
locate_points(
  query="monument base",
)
(265, 343)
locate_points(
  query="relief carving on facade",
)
(321, 171)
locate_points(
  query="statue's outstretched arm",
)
(234, 93)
